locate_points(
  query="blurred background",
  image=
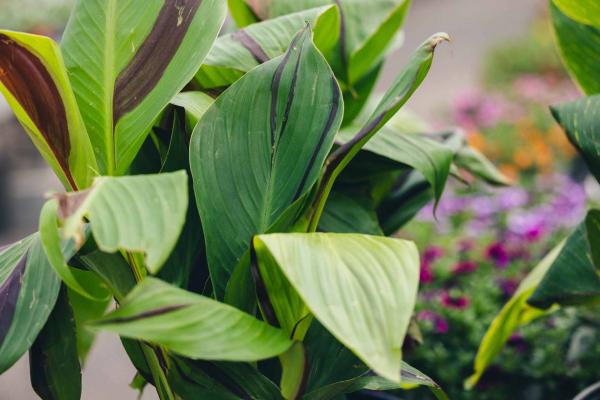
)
(495, 80)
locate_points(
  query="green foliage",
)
(219, 271)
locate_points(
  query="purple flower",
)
(439, 323)
(529, 225)
(498, 254)
(512, 197)
(464, 266)
(508, 286)
(432, 253)
(452, 301)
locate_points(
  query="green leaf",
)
(85, 311)
(430, 158)
(402, 203)
(192, 325)
(477, 164)
(35, 84)
(585, 11)
(397, 95)
(334, 370)
(28, 290)
(241, 13)
(349, 213)
(341, 278)
(58, 255)
(579, 46)
(581, 121)
(573, 276)
(188, 256)
(367, 28)
(237, 53)
(260, 148)
(294, 366)
(194, 103)
(514, 314)
(127, 59)
(53, 359)
(366, 51)
(410, 377)
(142, 213)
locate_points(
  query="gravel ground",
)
(474, 25)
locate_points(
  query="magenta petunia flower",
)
(426, 274)
(432, 253)
(498, 254)
(464, 267)
(451, 301)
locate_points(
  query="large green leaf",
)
(367, 28)
(237, 53)
(28, 290)
(361, 288)
(585, 11)
(127, 59)
(142, 213)
(193, 325)
(34, 81)
(53, 360)
(580, 49)
(514, 314)
(581, 121)
(260, 148)
(573, 276)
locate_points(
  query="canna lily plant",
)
(233, 195)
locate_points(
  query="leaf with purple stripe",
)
(28, 290)
(127, 59)
(260, 147)
(236, 53)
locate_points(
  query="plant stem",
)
(153, 355)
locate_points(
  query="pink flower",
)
(466, 245)
(473, 109)
(497, 253)
(441, 325)
(452, 301)
(426, 274)
(464, 266)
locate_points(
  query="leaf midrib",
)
(109, 84)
